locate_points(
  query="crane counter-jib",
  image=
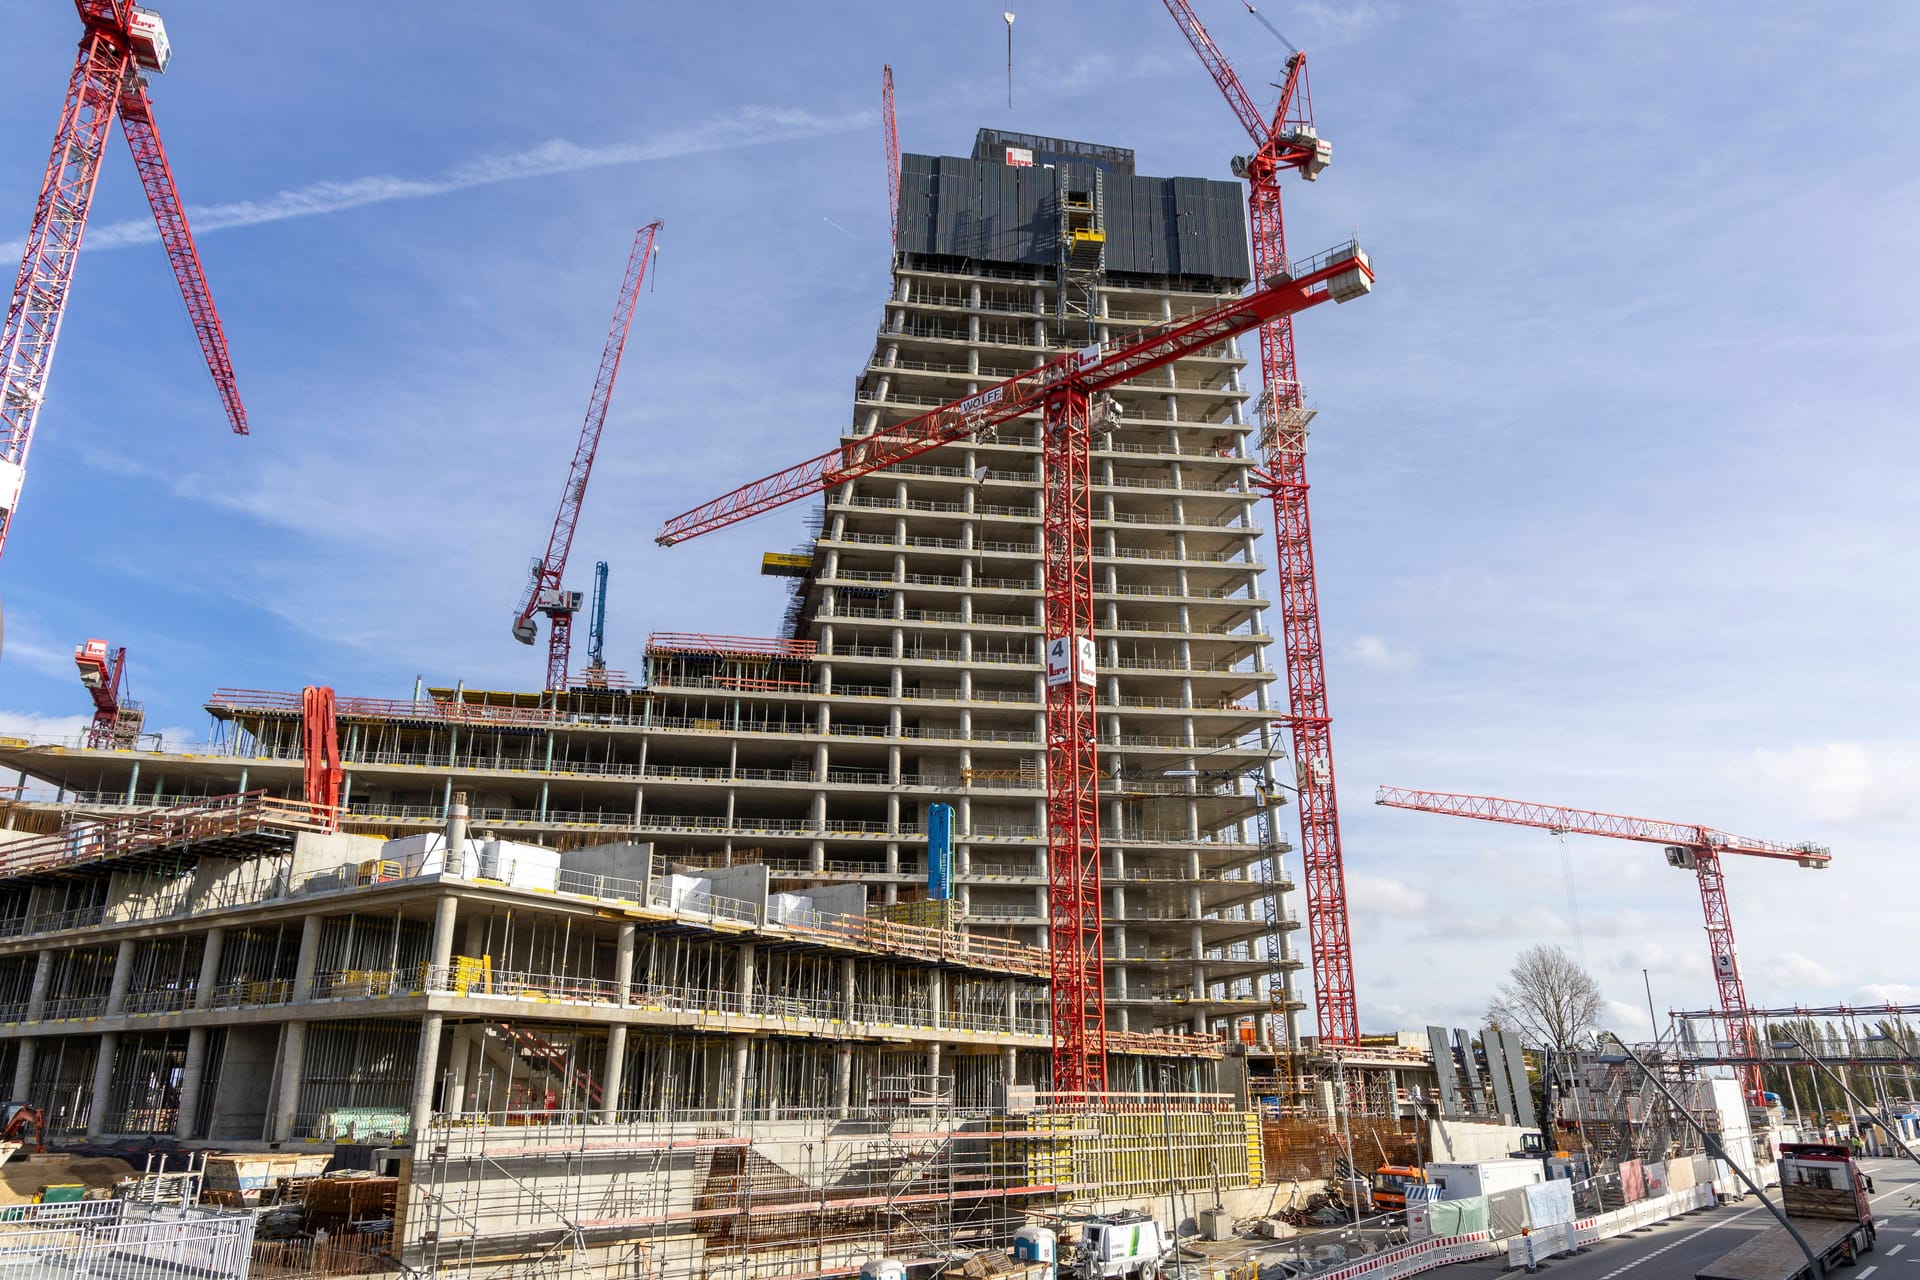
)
(1339, 274)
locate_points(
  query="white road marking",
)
(1622, 1270)
(1897, 1248)
(1867, 1271)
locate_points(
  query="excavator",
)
(25, 1124)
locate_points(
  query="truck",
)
(1460, 1181)
(1824, 1195)
(1390, 1183)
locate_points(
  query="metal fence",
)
(118, 1240)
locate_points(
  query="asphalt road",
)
(1679, 1247)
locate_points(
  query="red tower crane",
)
(893, 154)
(116, 717)
(1689, 847)
(1285, 141)
(545, 594)
(118, 43)
(1065, 391)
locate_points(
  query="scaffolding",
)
(912, 1174)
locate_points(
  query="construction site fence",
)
(1546, 1241)
(122, 1240)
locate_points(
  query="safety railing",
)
(153, 830)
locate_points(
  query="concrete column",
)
(459, 1043)
(843, 1079)
(425, 1069)
(455, 862)
(102, 1083)
(122, 976)
(23, 1070)
(741, 1045)
(1010, 1066)
(191, 1076)
(309, 957)
(623, 968)
(209, 967)
(614, 1076)
(37, 994)
(933, 1060)
(286, 1098)
(443, 937)
(745, 981)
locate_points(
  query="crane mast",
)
(1068, 393)
(1288, 141)
(1689, 847)
(120, 41)
(545, 592)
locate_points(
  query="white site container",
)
(1483, 1177)
(524, 866)
(426, 855)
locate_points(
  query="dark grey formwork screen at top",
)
(1497, 1072)
(1444, 1071)
(1472, 1069)
(987, 211)
(1523, 1113)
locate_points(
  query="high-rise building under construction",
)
(906, 676)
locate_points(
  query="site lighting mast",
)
(1068, 392)
(1688, 847)
(545, 592)
(118, 43)
(1286, 141)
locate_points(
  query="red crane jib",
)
(1089, 370)
(1699, 850)
(893, 155)
(117, 45)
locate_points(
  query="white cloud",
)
(1386, 896)
(1843, 782)
(31, 724)
(1375, 652)
(1794, 969)
(750, 126)
(1892, 992)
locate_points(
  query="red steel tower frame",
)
(320, 753)
(1064, 391)
(118, 42)
(1288, 141)
(545, 592)
(1689, 847)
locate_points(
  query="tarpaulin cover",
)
(1507, 1212)
(1680, 1174)
(1656, 1175)
(1633, 1182)
(1447, 1217)
(1549, 1203)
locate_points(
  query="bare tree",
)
(1550, 1000)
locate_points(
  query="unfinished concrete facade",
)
(910, 672)
(220, 973)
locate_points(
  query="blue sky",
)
(1614, 473)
